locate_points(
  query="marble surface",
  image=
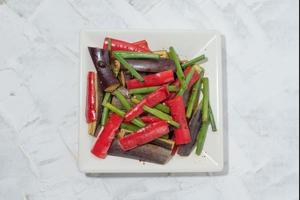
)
(39, 66)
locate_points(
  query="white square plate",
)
(188, 44)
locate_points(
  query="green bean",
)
(201, 138)
(128, 67)
(212, 119)
(193, 61)
(105, 112)
(122, 99)
(157, 113)
(137, 55)
(186, 82)
(192, 99)
(146, 90)
(179, 72)
(159, 106)
(129, 127)
(205, 116)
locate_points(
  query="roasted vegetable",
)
(107, 135)
(150, 100)
(152, 65)
(133, 72)
(157, 113)
(179, 72)
(192, 99)
(150, 119)
(136, 55)
(119, 45)
(205, 106)
(119, 112)
(182, 134)
(157, 79)
(212, 119)
(91, 103)
(106, 99)
(193, 61)
(147, 152)
(201, 138)
(147, 90)
(108, 82)
(144, 135)
(194, 126)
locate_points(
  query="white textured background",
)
(39, 64)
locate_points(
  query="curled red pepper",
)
(177, 108)
(90, 112)
(105, 138)
(150, 100)
(144, 135)
(119, 45)
(157, 79)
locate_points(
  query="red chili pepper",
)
(142, 44)
(144, 135)
(90, 112)
(177, 108)
(107, 135)
(157, 79)
(150, 100)
(119, 45)
(150, 119)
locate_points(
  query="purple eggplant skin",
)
(194, 126)
(151, 65)
(147, 152)
(108, 82)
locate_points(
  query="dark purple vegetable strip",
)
(107, 80)
(148, 152)
(152, 65)
(194, 126)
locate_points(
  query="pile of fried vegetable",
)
(146, 105)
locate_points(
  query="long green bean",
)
(192, 99)
(193, 61)
(147, 90)
(136, 55)
(179, 72)
(128, 67)
(205, 116)
(105, 112)
(201, 138)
